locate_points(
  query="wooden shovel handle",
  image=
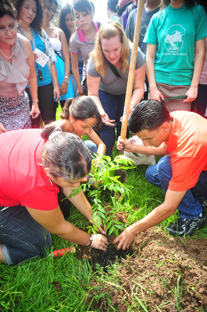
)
(130, 81)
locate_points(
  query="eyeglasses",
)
(9, 28)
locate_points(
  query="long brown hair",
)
(107, 31)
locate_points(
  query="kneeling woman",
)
(79, 116)
(31, 171)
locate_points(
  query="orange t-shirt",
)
(187, 146)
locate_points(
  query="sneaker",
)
(186, 226)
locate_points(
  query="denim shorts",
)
(21, 237)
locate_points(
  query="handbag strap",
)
(114, 70)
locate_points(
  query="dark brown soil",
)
(165, 274)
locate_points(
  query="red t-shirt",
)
(22, 177)
(187, 145)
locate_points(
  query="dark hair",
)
(120, 10)
(55, 2)
(112, 5)
(81, 108)
(61, 21)
(189, 3)
(148, 115)
(82, 6)
(37, 22)
(6, 8)
(65, 155)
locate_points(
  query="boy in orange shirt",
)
(182, 174)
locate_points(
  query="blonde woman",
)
(107, 75)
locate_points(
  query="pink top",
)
(81, 45)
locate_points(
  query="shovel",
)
(130, 83)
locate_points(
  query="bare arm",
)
(160, 213)
(2, 129)
(93, 136)
(155, 94)
(93, 91)
(32, 80)
(148, 150)
(80, 202)
(65, 54)
(56, 90)
(54, 222)
(75, 69)
(198, 66)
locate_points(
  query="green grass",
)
(27, 286)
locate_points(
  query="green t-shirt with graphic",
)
(175, 32)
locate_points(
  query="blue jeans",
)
(190, 206)
(21, 237)
(114, 107)
(91, 145)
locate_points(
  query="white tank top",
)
(56, 43)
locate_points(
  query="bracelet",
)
(35, 101)
(90, 241)
(66, 77)
(66, 81)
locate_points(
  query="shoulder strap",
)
(114, 70)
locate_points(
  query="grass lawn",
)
(29, 286)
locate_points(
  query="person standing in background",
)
(66, 22)
(16, 71)
(83, 40)
(30, 14)
(150, 8)
(175, 52)
(122, 7)
(112, 10)
(127, 12)
(59, 43)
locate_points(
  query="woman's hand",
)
(64, 87)
(99, 242)
(107, 121)
(56, 93)
(192, 94)
(2, 129)
(35, 111)
(155, 94)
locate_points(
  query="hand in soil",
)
(99, 242)
(125, 239)
(111, 255)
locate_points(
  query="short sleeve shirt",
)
(81, 45)
(111, 83)
(22, 179)
(187, 145)
(175, 32)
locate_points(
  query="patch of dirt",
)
(164, 274)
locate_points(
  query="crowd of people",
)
(50, 56)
